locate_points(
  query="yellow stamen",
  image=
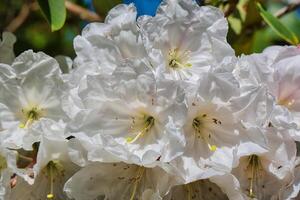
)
(254, 163)
(198, 125)
(137, 180)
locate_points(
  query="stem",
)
(287, 9)
(231, 7)
(20, 19)
(26, 8)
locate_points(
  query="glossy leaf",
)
(278, 27)
(55, 12)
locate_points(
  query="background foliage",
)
(248, 33)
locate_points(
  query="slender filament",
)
(137, 180)
(254, 165)
(198, 127)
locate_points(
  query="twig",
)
(231, 7)
(82, 12)
(287, 9)
(20, 19)
(73, 8)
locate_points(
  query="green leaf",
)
(55, 12)
(277, 26)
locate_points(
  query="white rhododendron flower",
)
(118, 181)
(44, 171)
(151, 108)
(32, 91)
(183, 40)
(102, 46)
(264, 174)
(210, 128)
(292, 190)
(255, 103)
(271, 80)
(286, 74)
(135, 113)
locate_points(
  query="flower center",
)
(178, 60)
(140, 129)
(254, 167)
(198, 124)
(30, 116)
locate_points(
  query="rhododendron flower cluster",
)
(152, 108)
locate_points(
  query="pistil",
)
(51, 194)
(54, 169)
(30, 116)
(147, 124)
